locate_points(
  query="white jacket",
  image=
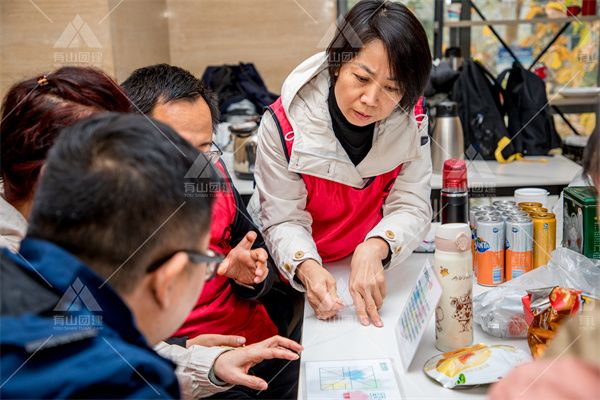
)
(13, 226)
(281, 191)
(193, 367)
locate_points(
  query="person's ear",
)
(163, 281)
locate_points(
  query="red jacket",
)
(341, 215)
(225, 307)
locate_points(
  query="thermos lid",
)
(446, 109)
(243, 127)
(453, 237)
(455, 174)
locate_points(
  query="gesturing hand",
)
(367, 282)
(232, 367)
(244, 264)
(321, 290)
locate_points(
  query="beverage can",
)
(454, 271)
(530, 204)
(494, 213)
(504, 203)
(544, 237)
(519, 246)
(474, 212)
(489, 247)
(518, 213)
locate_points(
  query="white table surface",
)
(557, 170)
(345, 339)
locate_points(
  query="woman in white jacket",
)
(343, 162)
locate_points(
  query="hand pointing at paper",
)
(321, 290)
(367, 281)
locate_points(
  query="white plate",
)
(579, 92)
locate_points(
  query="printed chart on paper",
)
(352, 380)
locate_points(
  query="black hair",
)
(157, 84)
(113, 193)
(402, 35)
(591, 159)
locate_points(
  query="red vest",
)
(342, 215)
(218, 309)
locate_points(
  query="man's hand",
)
(233, 366)
(244, 264)
(367, 282)
(211, 340)
(321, 290)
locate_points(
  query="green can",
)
(580, 221)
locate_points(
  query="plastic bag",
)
(475, 365)
(499, 311)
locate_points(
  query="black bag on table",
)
(479, 97)
(530, 123)
(234, 83)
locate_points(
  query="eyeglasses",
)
(214, 153)
(211, 259)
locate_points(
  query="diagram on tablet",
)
(351, 380)
(347, 378)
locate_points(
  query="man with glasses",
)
(227, 306)
(114, 259)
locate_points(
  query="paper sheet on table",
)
(352, 380)
(416, 314)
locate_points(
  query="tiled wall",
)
(121, 35)
(274, 34)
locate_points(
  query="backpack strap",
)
(503, 74)
(286, 133)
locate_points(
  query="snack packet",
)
(545, 311)
(474, 365)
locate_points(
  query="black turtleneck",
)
(356, 140)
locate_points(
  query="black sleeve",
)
(179, 341)
(242, 224)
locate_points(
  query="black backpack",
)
(530, 124)
(234, 83)
(479, 97)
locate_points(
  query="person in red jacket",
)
(343, 163)
(228, 305)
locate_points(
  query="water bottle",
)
(448, 140)
(453, 265)
(454, 196)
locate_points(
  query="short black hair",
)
(157, 84)
(113, 194)
(402, 35)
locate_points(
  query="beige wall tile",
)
(140, 34)
(275, 35)
(30, 37)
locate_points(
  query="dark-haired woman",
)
(34, 112)
(343, 162)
